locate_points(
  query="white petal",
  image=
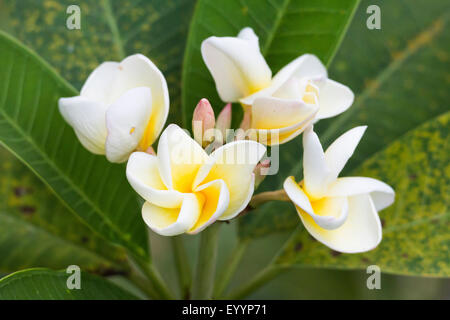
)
(315, 170)
(100, 83)
(174, 221)
(249, 35)
(276, 113)
(342, 149)
(179, 158)
(297, 195)
(87, 117)
(361, 231)
(217, 199)
(291, 110)
(237, 66)
(234, 164)
(328, 213)
(306, 66)
(126, 122)
(143, 175)
(138, 71)
(381, 193)
(334, 98)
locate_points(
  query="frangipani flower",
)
(186, 189)
(121, 107)
(339, 212)
(299, 94)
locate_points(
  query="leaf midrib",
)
(112, 24)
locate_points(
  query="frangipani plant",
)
(174, 183)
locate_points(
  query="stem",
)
(143, 284)
(202, 286)
(182, 266)
(149, 270)
(265, 275)
(230, 267)
(263, 197)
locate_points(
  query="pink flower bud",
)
(260, 171)
(224, 120)
(246, 120)
(203, 119)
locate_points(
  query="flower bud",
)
(261, 171)
(246, 120)
(224, 120)
(203, 119)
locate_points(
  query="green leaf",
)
(44, 284)
(109, 31)
(400, 79)
(286, 30)
(416, 238)
(32, 128)
(37, 230)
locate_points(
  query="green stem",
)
(263, 197)
(230, 267)
(149, 270)
(202, 287)
(182, 266)
(261, 278)
(143, 284)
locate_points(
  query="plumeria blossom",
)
(121, 107)
(282, 106)
(339, 212)
(186, 189)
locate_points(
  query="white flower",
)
(339, 212)
(186, 189)
(121, 107)
(299, 94)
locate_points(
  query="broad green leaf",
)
(44, 284)
(286, 30)
(36, 230)
(32, 128)
(400, 78)
(109, 30)
(416, 237)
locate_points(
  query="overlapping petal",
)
(144, 176)
(234, 164)
(180, 158)
(126, 122)
(360, 232)
(174, 221)
(87, 117)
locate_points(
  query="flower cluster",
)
(188, 184)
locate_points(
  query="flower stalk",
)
(182, 266)
(202, 287)
(223, 280)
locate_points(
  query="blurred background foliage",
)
(400, 68)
